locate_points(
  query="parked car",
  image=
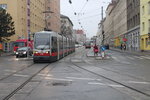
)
(24, 52)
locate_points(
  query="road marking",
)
(87, 61)
(7, 70)
(138, 57)
(117, 86)
(130, 57)
(145, 57)
(111, 85)
(59, 79)
(120, 61)
(83, 78)
(137, 82)
(21, 75)
(93, 83)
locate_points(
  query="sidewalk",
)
(131, 52)
(6, 54)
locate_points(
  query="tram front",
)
(42, 44)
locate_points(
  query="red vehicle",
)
(22, 43)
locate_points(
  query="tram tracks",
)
(40, 67)
(128, 87)
(5, 77)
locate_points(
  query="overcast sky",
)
(88, 14)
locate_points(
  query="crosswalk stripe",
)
(130, 57)
(145, 57)
(138, 57)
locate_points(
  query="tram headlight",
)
(36, 52)
(47, 52)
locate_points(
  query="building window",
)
(4, 6)
(49, 24)
(143, 10)
(28, 2)
(149, 25)
(148, 7)
(143, 26)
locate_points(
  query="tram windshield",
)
(42, 41)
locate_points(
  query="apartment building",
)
(27, 16)
(145, 25)
(52, 13)
(133, 25)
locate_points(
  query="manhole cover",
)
(60, 83)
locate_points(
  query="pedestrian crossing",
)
(138, 57)
(132, 57)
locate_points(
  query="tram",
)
(49, 46)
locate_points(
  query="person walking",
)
(95, 49)
(121, 46)
(102, 48)
(124, 47)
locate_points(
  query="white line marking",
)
(117, 86)
(87, 62)
(92, 83)
(145, 57)
(138, 82)
(7, 70)
(111, 85)
(138, 57)
(48, 78)
(21, 75)
(130, 57)
(83, 78)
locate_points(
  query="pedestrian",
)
(102, 48)
(121, 46)
(95, 49)
(124, 47)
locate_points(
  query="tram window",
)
(54, 44)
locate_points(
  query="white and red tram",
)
(50, 46)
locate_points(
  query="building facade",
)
(133, 25)
(27, 16)
(66, 26)
(99, 34)
(108, 24)
(80, 36)
(115, 23)
(53, 15)
(119, 13)
(145, 25)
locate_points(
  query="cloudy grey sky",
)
(88, 14)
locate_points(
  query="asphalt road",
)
(76, 77)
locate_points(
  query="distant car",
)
(24, 52)
(76, 45)
(88, 45)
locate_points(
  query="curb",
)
(136, 52)
(6, 54)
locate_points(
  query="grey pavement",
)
(79, 77)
